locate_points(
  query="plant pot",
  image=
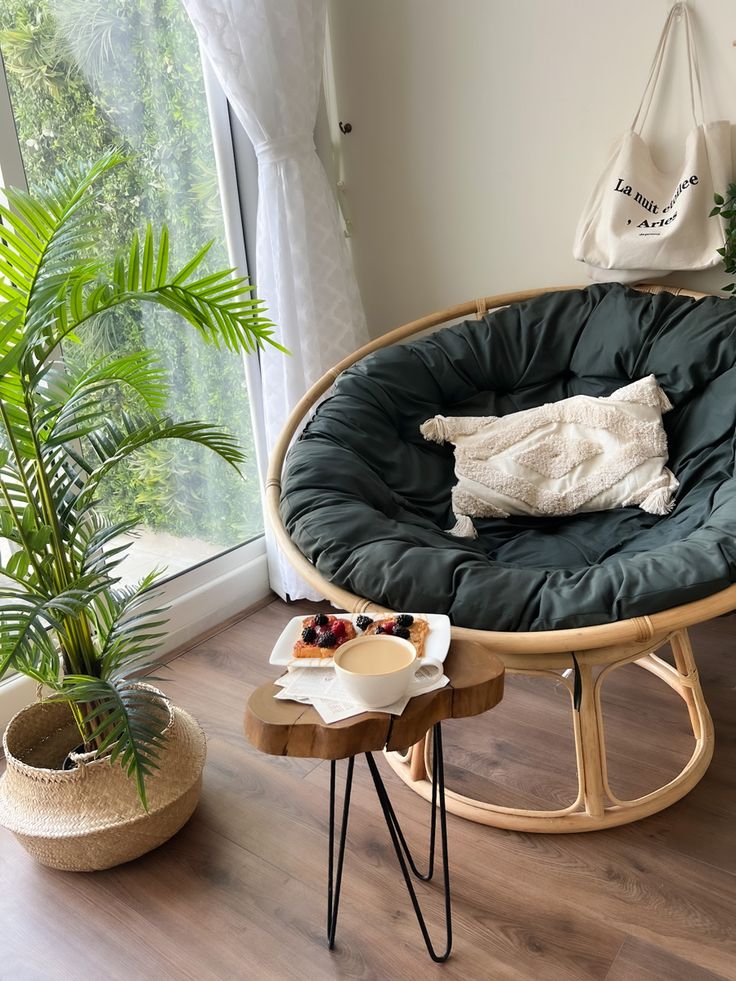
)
(90, 817)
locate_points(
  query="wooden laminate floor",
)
(239, 893)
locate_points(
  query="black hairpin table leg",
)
(406, 860)
(334, 879)
(402, 851)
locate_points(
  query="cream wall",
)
(479, 127)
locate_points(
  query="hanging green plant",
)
(725, 208)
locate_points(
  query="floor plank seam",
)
(292, 872)
(615, 957)
(695, 858)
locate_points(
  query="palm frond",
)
(16, 431)
(22, 522)
(129, 627)
(66, 477)
(127, 722)
(25, 644)
(70, 403)
(94, 543)
(219, 306)
(115, 442)
(42, 239)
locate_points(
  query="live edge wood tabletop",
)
(284, 728)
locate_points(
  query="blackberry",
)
(402, 632)
(363, 622)
(404, 620)
(309, 635)
(327, 639)
(381, 630)
(321, 620)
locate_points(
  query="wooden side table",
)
(284, 728)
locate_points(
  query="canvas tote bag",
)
(641, 223)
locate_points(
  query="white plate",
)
(435, 647)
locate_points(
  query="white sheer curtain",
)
(268, 57)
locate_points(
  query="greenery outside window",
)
(87, 74)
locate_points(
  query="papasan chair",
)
(361, 502)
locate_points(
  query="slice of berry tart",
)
(322, 634)
(403, 625)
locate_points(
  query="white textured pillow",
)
(580, 454)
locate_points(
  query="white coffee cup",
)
(377, 669)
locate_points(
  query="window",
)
(86, 74)
(81, 75)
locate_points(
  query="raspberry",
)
(402, 632)
(309, 635)
(405, 619)
(338, 628)
(327, 639)
(363, 622)
(321, 620)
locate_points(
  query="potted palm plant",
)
(103, 768)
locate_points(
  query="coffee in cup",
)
(377, 669)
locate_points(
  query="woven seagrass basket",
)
(90, 818)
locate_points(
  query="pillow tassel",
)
(463, 527)
(659, 501)
(664, 403)
(434, 429)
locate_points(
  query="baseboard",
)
(206, 608)
(218, 629)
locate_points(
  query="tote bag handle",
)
(677, 11)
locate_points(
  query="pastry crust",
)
(417, 631)
(302, 649)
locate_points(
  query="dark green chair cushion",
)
(366, 499)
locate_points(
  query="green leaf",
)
(18, 565)
(38, 540)
(147, 261)
(6, 523)
(162, 261)
(194, 263)
(114, 443)
(133, 265)
(718, 198)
